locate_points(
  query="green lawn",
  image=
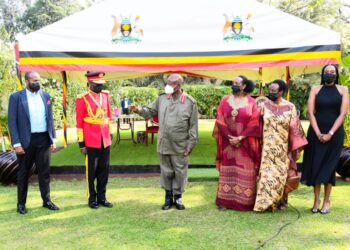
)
(136, 221)
(127, 153)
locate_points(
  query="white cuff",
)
(17, 145)
(54, 140)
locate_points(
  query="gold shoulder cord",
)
(99, 111)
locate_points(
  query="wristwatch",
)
(331, 132)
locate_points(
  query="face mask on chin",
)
(34, 86)
(96, 88)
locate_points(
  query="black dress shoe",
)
(178, 202)
(50, 205)
(168, 200)
(21, 209)
(93, 204)
(105, 204)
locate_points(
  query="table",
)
(129, 121)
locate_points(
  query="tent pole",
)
(261, 90)
(288, 82)
(18, 72)
(64, 95)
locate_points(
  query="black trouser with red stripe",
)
(98, 168)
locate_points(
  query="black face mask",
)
(236, 89)
(34, 86)
(329, 78)
(97, 88)
(273, 96)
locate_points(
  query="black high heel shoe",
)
(325, 210)
(316, 210)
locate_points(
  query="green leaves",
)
(45, 12)
(346, 61)
(208, 98)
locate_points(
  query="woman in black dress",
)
(327, 107)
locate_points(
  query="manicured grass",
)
(136, 221)
(127, 153)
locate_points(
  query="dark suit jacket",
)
(18, 117)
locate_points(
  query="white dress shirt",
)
(37, 114)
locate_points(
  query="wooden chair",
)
(151, 128)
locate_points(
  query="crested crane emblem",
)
(237, 28)
(126, 31)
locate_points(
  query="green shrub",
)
(139, 95)
(54, 88)
(4, 126)
(208, 98)
(299, 93)
(73, 90)
(344, 78)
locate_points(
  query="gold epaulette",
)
(82, 95)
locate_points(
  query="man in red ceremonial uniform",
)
(93, 113)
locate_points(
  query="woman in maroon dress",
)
(238, 153)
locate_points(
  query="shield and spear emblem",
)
(238, 28)
(237, 25)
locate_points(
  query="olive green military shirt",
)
(178, 122)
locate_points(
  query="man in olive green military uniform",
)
(177, 136)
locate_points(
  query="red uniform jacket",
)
(94, 119)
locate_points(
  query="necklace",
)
(232, 101)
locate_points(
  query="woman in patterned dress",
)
(282, 139)
(236, 132)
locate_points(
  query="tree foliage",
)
(45, 12)
(7, 79)
(329, 14)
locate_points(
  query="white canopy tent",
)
(219, 39)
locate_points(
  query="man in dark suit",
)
(33, 137)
